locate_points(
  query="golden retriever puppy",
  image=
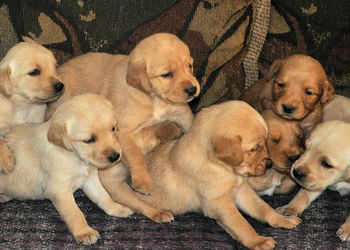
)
(150, 89)
(296, 88)
(324, 164)
(337, 109)
(284, 148)
(28, 80)
(55, 158)
(203, 171)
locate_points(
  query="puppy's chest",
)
(342, 187)
(28, 113)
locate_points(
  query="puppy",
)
(28, 80)
(296, 88)
(325, 164)
(55, 158)
(202, 172)
(337, 109)
(284, 148)
(149, 88)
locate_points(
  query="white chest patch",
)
(342, 187)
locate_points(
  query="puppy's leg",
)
(7, 159)
(249, 202)
(135, 161)
(97, 194)
(287, 186)
(74, 218)
(299, 203)
(113, 179)
(182, 116)
(344, 231)
(227, 215)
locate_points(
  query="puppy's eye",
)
(308, 92)
(275, 140)
(35, 72)
(92, 139)
(325, 164)
(113, 129)
(254, 149)
(280, 84)
(167, 75)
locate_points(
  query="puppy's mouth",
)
(281, 170)
(46, 100)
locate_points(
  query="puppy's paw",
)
(7, 161)
(265, 243)
(141, 183)
(287, 210)
(119, 211)
(168, 131)
(344, 232)
(288, 222)
(87, 236)
(163, 216)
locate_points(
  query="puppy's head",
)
(161, 65)
(300, 85)
(283, 141)
(28, 72)
(87, 125)
(239, 138)
(326, 159)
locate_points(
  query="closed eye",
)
(308, 92)
(92, 139)
(275, 140)
(167, 75)
(35, 72)
(325, 164)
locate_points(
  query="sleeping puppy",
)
(28, 80)
(55, 158)
(337, 109)
(203, 171)
(150, 88)
(325, 164)
(284, 148)
(296, 88)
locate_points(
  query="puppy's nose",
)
(113, 157)
(293, 158)
(191, 91)
(58, 87)
(269, 164)
(289, 109)
(298, 174)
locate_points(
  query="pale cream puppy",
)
(325, 164)
(203, 171)
(55, 158)
(28, 80)
(337, 109)
(150, 89)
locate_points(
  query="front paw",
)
(87, 236)
(119, 211)
(168, 131)
(265, 243)
(344, 232)
(288, 222)
(163, 216)
(7, 162)
(288, 210)
(141, 183)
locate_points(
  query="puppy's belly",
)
(342, 187)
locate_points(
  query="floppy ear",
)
(328, 92)
(5, 82)
(58, 135)
(28, 39)
(228, 150)
(274, 69)
(136, 76)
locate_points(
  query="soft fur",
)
(28, 80)
(325, 164)
(337, 109)
(55, 158)
(296, 88)
(149, 88)
(202, 172)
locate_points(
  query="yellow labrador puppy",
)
(203, 171)
(325, 164)
(55, 158)
(149, 88)
(28, 80)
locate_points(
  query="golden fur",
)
(55, 158)
(202, 172)
(149, 88)
(28, 80)
(296, 88)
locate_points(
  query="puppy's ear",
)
(327, 92)
(274, 69)
(228, 150)
(136, 76)
(5, 82)
(28, 39)
(58, 135)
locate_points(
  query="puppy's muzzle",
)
(297, 174)
(115, 156)
(191, 91)
(58, 87)
(288, 109)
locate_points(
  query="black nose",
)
(298, 174)
(293, 158)
(191, 91)
(58, 87)
(288, 108)
(269, 164)
(113, 157)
